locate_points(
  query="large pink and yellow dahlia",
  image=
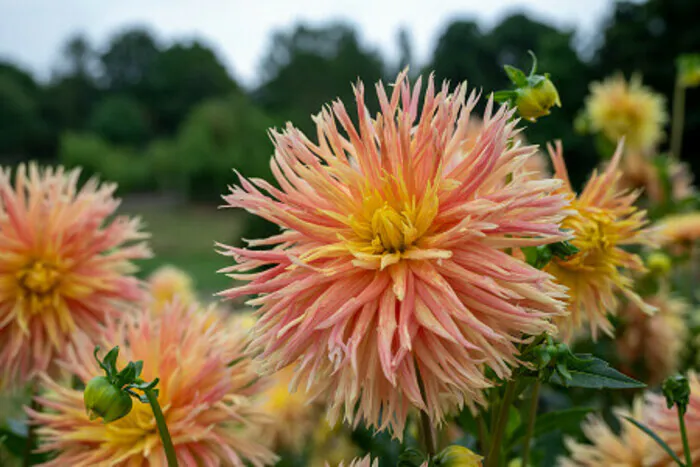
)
(206, 388)
(65, 265)
(391, 282)
(604, 222)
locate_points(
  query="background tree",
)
(308, 66)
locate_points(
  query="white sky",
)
(33, 31)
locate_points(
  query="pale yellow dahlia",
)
(167, 282)
(206, 388)
(605, 221)
(638, 172)
(664, 422)
(294, 416)
(680, 229)
(332, 444)
(653, 344)
(393, 262)
(617, 108)
(65, 265)
(360, 462)
(631, 447)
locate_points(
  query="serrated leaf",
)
(656, 438)
(516, 76)
(593, 373)
(564, 420)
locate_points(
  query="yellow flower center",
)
(596, 237)
(37, 283)
(135, 432)
(392, 232)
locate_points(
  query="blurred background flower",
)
(66, 265)
(206, 390)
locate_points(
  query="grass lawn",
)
(184, 236)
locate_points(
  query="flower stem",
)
(162, 428)
(678, 120)
(29, 444)
(427, 430)
(684, 437)
(494, 450)
(483, 434)
(532, 416)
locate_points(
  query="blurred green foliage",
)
(169, 117)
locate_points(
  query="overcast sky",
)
(32, 31)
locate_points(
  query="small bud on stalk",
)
(534, 95)
(105, 400)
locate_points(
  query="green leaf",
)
(656, 438)
(411, 458)
(565, 420)
(591, 372)
(504, 96)
(516, 76)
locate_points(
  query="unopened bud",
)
(659, 264)
(105, 400)
(676, 389)
(689, 70)
(457, 456)
(535, 100)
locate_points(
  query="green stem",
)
(428, 434)
(29, 444)
(678, 120)
(532, 416)
(427, 431)
(162, 428)
(494, 450)
(684, 436)
(483, 434)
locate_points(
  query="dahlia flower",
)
(167, 282)
(205, 390)
(294, 416)
(391, 281)
(332, 444)
(664, 422)
(65, 265)
(655, 342)
(631, 447)
(617, 108)
(640, 172)
(682, 229)
(605, 220)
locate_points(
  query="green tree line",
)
(169, 117)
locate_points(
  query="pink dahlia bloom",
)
(65, 265)
(206, 388)
(391, 282)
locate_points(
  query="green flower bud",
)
(659, 264)
(457, 456)
(105, 400)
(689, 70)
(534, 101)
(676, 389)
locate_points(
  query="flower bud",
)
(105, 400)
(689, 70)
(457, 456)
(659, 264)
(534, 101)
(676, 390)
